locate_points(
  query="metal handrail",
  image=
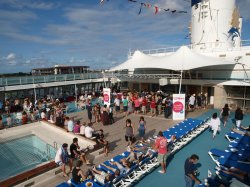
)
(55, 145)
(48, 150)
(12, 81)
(244, 43)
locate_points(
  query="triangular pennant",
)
(156, 10)
(182, 11)
(141, 8)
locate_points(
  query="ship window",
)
(222, 55)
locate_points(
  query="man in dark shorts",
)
(89, 110)
(74, 147)
(77, 173)
(190, 169)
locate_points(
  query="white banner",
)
(178, 106)
(106, 96)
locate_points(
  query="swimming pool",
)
(200, 146)
(39, 137)
(22, 154)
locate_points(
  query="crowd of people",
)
(146, 149)
(141, 104)
(22, 111)
(216, 120)
(122, 166)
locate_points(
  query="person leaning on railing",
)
(1, 122)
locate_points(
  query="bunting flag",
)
(141, 8)
(157, 9)
(102, 1)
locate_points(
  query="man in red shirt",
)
(144, 105)
(153, 106)
(161, 144)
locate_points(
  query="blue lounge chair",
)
(231, 136)
(230, 177)
(64, 184)
(73, 183)
(232, 163)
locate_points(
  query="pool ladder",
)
(55, 145)
(49, 147)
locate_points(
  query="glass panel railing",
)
(78, 76)
(70, 77)
(60, 78)
(13, 81)
(50, 78)
(39, 79)
(47, 78)
(29, 80)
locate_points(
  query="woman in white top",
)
(215, 124)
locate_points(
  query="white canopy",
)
(182, 59)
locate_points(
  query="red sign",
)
(106, 98)
(178, 107)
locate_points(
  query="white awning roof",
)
(235, 83)
(182, 59)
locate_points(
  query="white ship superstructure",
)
(216, 62)
(215, 25)
(223, 73)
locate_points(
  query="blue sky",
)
(42, 33)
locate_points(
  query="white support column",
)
(180, 82)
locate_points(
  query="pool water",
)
(200, 146)
(22, 154)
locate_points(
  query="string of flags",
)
(157, 9)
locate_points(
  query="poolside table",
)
(85, 182)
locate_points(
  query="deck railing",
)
(11, 81)
(208, 47)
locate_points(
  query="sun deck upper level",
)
(205, 49)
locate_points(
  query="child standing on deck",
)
(215, 124)
(142, 128)
(9, 120)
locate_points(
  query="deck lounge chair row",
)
(234, 156)
(184, 131)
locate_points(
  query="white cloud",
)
(17, 16)
(94, 35)
(11, 56)
(38, 4)
(75, 61)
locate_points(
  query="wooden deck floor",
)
(115, 135)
